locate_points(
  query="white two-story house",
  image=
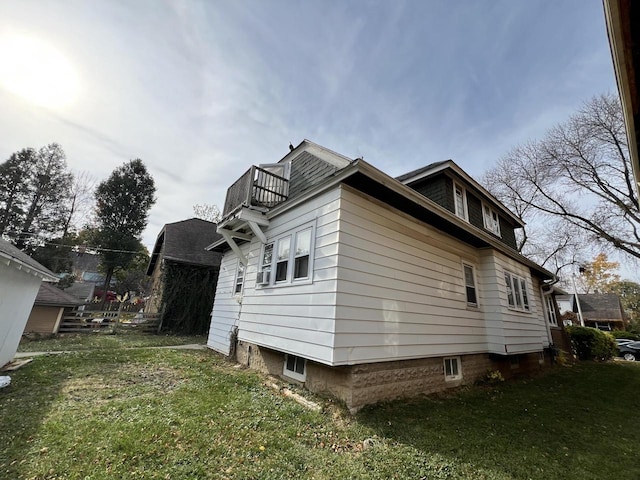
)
(368, 287)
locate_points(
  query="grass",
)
(168, 414)
(99, 341)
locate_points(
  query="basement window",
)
(452, 369)
(295, 367)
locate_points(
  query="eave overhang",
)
(364, 177)
(623, 28)
(18, 264)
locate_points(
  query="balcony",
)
(258, 187)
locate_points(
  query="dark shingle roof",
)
(307, 170)
(81, 291)
(418, 171)
(185, 242)
(48, 295)
(8, 250)
(596, 306)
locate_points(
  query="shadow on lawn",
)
(23, 407)
(575, 423)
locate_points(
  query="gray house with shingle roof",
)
(48, 309)
(369, 287)
(180, 252)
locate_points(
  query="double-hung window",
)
(239, 278)
(301, 254)
(282, 260)
(470, 285)
(460, 201)
(491, 219)
(281, 264)
(517, 296)
(551, 311)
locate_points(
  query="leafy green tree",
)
(15, 175)
(134, 276)
(34, 194)
(629, 293)
(123, 202)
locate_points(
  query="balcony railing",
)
(256, 188)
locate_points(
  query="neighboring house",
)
(369, 287)
(599, 310)
(20, 278)
(179, 256)
(83, 292)
(84, 266)
(48, 309)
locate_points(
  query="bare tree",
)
(579, 174)
(81, 201)
(207, 211)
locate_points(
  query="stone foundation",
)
(364, 384)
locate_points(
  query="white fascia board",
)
(334, 158)
(20, 265)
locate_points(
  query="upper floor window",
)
(491, 219)
(239, 278)
(301, 254)
(470, 285)
(460, 201)
(517, 296)
(289, 264)
(551, 311)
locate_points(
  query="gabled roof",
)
(365, 177)
(185, 242)
(20, 260)
(83, 292)
(603, 306)
(51, 296)
(431, 169)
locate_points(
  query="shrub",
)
(591, 344)
(625, 334)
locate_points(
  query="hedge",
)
(591, 344)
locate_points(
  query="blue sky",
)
(201, 90)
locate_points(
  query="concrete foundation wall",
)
(364, 384)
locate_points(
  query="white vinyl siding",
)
(401, 288)
(510, 331)
(226, 307)
(296, 316)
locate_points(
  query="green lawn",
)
(168, 414)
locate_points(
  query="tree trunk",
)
(105, 287)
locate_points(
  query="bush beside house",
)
(591, 344)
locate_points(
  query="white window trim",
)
(489, 223)
(522, 282)
(289, 281)
(475, 284)
(465, 213)
(552, 318)
(235, 279)
(295, 375)
(452, 378)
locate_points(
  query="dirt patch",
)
(128, 381)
